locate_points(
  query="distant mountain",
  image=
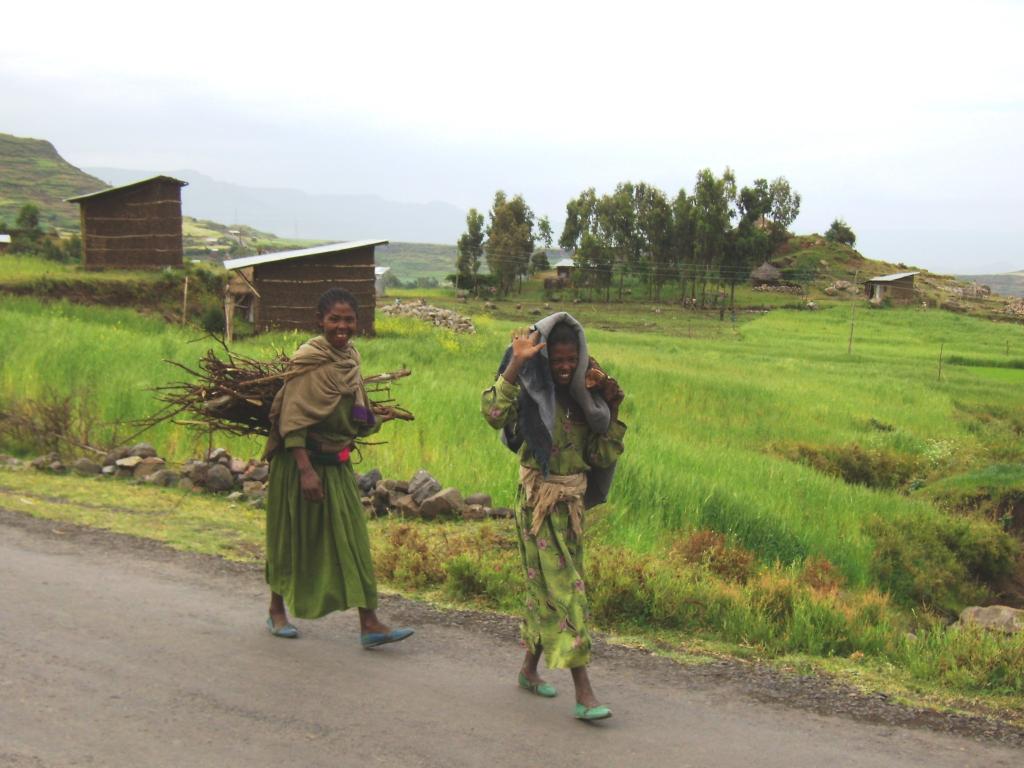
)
(295, 214)
(1007, 284)
(31, 171)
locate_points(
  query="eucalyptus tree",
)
(713, 199)
(510, 239)
(470, 248)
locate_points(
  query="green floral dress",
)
(318, 553)
(555, 610)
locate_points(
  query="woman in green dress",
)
(318, 549)
(559, 411)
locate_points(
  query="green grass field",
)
(767, 431)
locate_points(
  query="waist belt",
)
(328, 458)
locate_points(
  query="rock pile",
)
(793, 289)
(246, 480)
(1015, 307)
(423, 497)
(443, 318)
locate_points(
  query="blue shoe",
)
(600, 712)
(547, 690)
(373, 639)
(287, 631)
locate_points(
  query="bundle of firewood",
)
(233, 393)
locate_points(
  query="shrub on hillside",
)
(874, 467)
(840, 232)
(942, 563)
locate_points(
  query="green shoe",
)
(547, 690)
(600, 712)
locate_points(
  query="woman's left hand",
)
(384, 413)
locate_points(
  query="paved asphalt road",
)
(115, 652)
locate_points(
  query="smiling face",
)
(563, 358)
(339, 324)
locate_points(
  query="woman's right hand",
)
(312, 488)
(526, 345)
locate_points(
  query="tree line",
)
(715, 234)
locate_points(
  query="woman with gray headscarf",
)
(559, 411)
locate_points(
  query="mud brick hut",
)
(280, 290)
(134, 226)
(898, 288)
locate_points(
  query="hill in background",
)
(1009, 284)
(31, 171)
(298, 215)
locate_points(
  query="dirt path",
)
(119, 652)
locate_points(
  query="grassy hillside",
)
(410, 261)
(31, 171)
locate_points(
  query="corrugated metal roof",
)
(266, 258)
(378, 271)
(891, 278)
(5, 238)
(124, 186)
(565, 263)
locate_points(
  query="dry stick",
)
(940, 359)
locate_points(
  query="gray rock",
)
(109, 470)
(57, 466)
(114, 455)
(142, 450)
(165, 478)
(997, 617)
(216, 454)
(258, 472)
(86, 466)
(501, 513)
(236, 496)
(368, 482)
(381, 501)
(259, 502)
(395, 485)
(252, 486)
(446, 503)
(406, 506)
(186, 484)
(238, 466)
(481, 499)
(43, 462)
(423, 486)
(147, 467)
(122, 473)
(219, 478)
(128, 462)
(474, 512)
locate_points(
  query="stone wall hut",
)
(134, 226)
(5, 241)
(283, 287)
(898, 287)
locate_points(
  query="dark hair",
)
(336, 296)
(563, 333)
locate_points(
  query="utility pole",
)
(853, 307)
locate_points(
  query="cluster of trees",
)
(508, 243)
(716, 233)
(689, 239)
(28, 236)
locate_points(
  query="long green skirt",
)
(318, 553)
(556, 611)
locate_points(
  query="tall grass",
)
(706, 415)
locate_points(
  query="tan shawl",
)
(319, 375)
(544, 493)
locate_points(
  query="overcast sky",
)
(903, 118)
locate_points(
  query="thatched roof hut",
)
(766, 274)
(134, 226)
